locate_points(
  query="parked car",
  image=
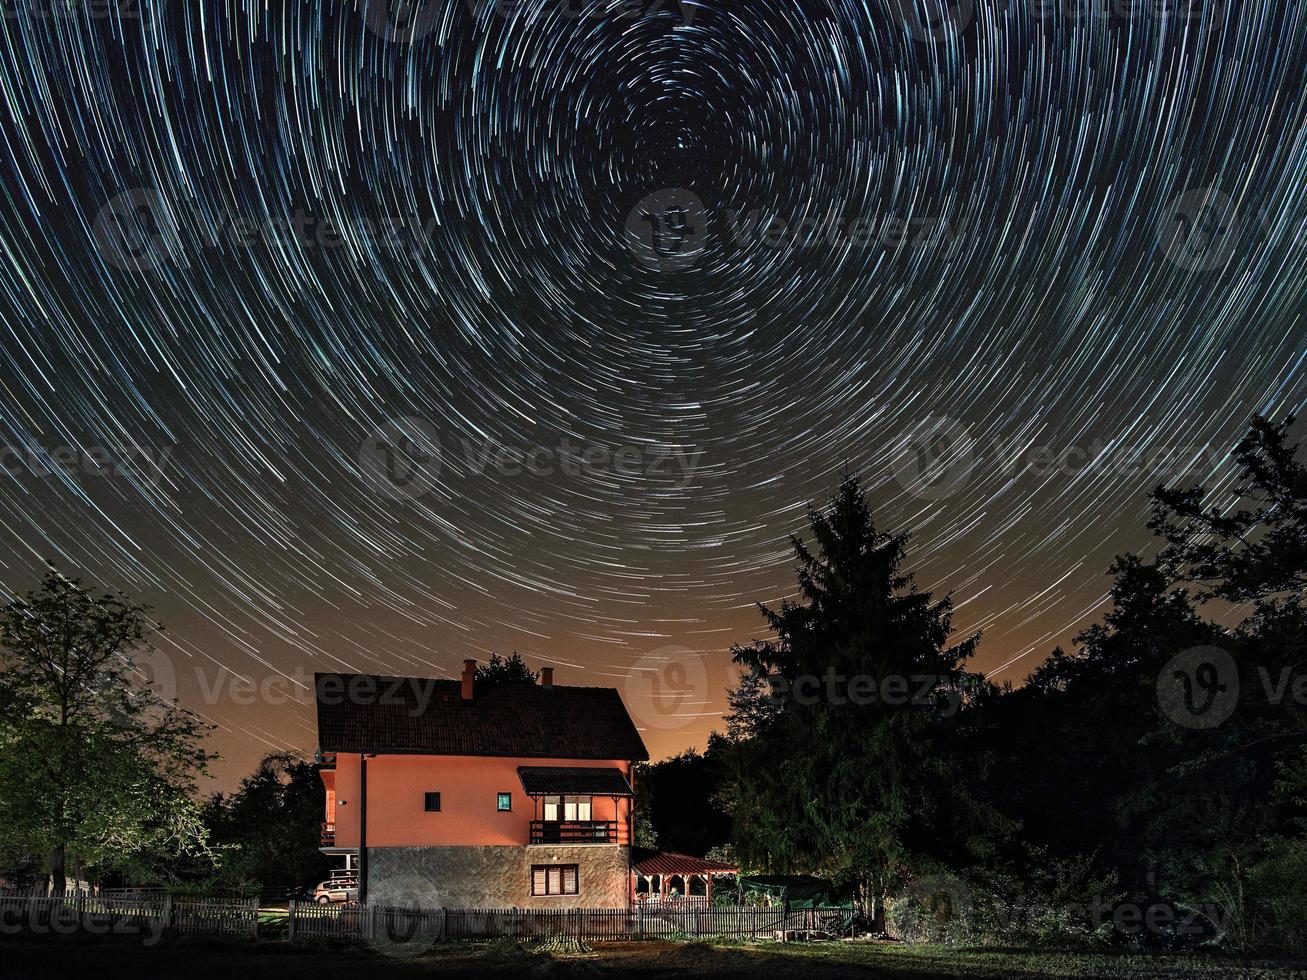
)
(336, 890)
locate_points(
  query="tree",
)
(505, 670)
(1255, 547)
(839, 774)
(270, 825)
(678, 801)
(91, 766)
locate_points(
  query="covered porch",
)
(577, 804)
(666, 878)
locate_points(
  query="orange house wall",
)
(468, 787)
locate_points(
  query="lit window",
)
(554, 879)
(505, 802)
(567, 808)
(433, 802)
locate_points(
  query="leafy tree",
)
(91, 766)
(269, 827)
(840, 774)
(679, 798)
(505, 670)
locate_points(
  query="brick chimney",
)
(546, 676)
(469, 668)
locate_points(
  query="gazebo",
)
(656, 872)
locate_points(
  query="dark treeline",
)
(1149, 786)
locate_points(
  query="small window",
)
(504, 802)
(554, 879)
(433, 802)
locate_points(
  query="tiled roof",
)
(581, 780)
(670, 863)
(370, 713)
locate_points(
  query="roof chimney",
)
(546, 676)
(469, 668)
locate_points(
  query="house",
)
(454, 793)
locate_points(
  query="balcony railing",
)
(328, 834)
(573, 832)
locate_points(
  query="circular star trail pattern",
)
(241, 239)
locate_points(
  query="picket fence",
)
(154, 913)
(43, 911)
(370, 923)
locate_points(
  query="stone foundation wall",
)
(494, 876)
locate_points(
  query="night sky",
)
(289, 288)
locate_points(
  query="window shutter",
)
(538, 883)
(569, 879)
(555, 880)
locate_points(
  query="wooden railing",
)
(573, 832)
(328, 834)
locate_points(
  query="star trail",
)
(622, 288)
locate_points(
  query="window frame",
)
(428, 797)
(501, 799)
(562, 870)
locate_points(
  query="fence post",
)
(290, 921)
(444, 922)
(166, 914)
(254, 917)
(639, 920)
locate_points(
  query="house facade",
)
(447, 792)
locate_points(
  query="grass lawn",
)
(188, 958)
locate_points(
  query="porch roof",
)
(671, 863)
(579, 780)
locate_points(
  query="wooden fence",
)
(154, 913)
(310, 921)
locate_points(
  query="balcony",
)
(328, 834)
(573, 832)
